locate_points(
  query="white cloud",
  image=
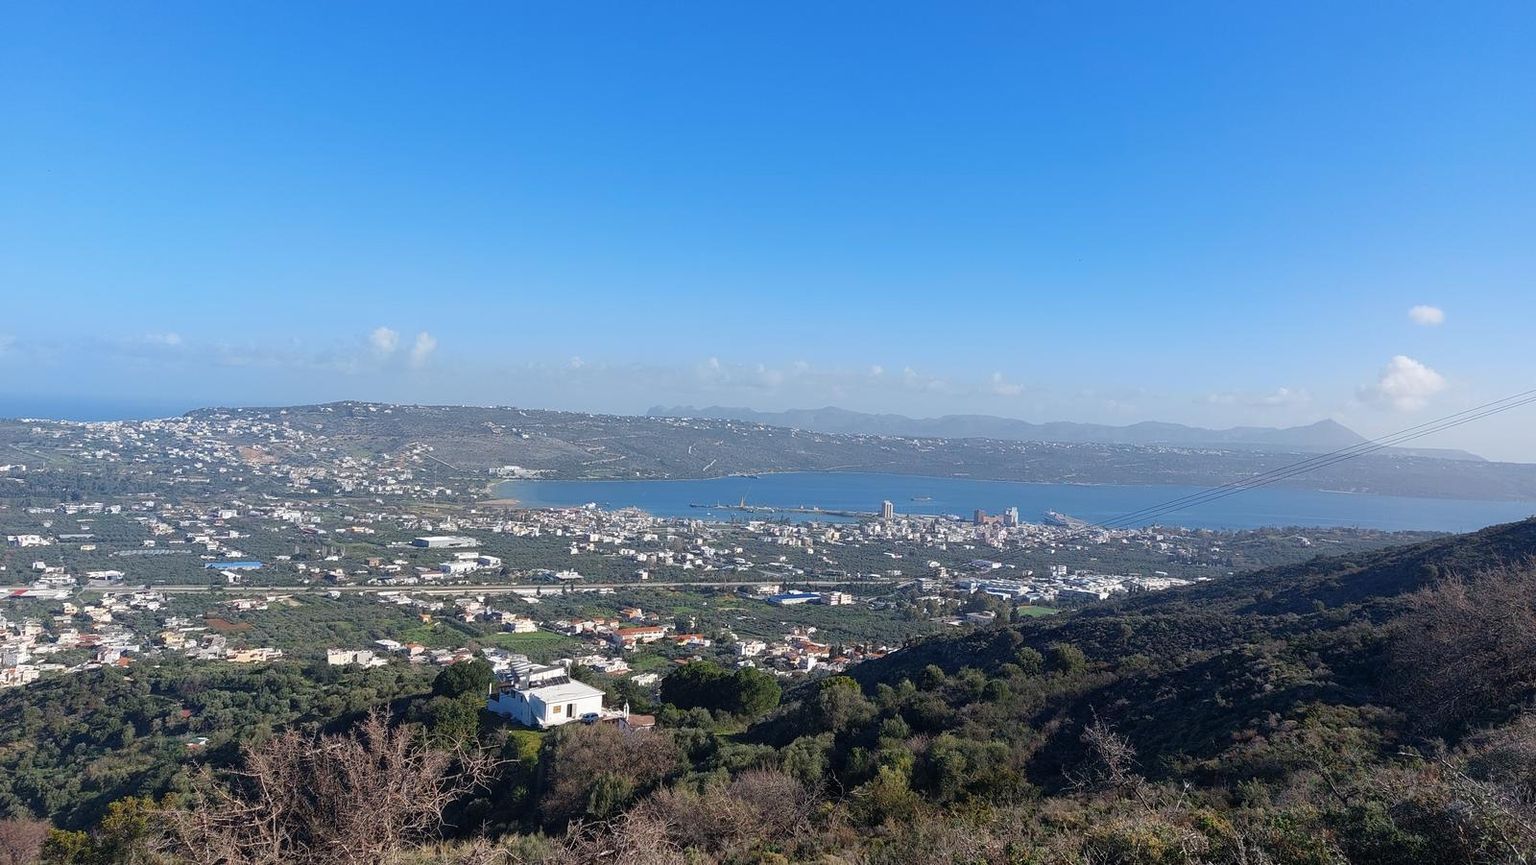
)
(384, 340)
(914, 380)
(877, 370)
(1284, 396)
(1002, 387)
(169, 340)
(421, 352)
(7, 342)
(1405, 384)
(1429, 316)
(711, 372)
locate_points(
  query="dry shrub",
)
(584, 754)
(759, 806)
(635, 839)
(354, 799)
(680, 825)
(21, 841)
(1465, 652)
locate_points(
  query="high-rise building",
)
(1011, 517)
(887, 510)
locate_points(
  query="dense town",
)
(208, 530)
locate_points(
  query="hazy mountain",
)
(1325, 435)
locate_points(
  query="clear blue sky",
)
(1212, 213)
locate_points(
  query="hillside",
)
(1360, 710)
(1187, 674)
(1322, 436)
(572, 445)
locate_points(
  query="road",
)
(475, 589)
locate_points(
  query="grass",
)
(543, 644)
(1038, 611)
(433, 636)
(647, 662)
(509, 640)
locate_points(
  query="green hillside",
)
(1367, 710)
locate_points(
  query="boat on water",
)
(922, 498)
(1055, 518)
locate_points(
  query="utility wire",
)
(1297, 469)
(1252, 483)
(1350, 451)
(1317, 462)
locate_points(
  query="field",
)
(1038, 611)
(537, 644)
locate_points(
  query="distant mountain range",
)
(1323, 436)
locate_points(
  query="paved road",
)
(477, 589)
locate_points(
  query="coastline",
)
(495, 500)
(490, 490)
(1279, 506)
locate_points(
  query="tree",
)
(128, 833)
(608, 796)
(886, 798)
(756, 692)
(1067, 659)
(452, 721)
(1029, 661)
(704, 684)
(694, 684)
(63, 847)
(465, 677)
(839, 704)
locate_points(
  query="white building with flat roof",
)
(540, 696)
(440, 542)
(548, 705)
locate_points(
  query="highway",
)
(470, 589)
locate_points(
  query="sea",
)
(859, 493)
(92, 408)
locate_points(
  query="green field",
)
(433, 636)
(545, 644)
(1037, 611)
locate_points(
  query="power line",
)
(1284, 473)
(1252, 483)
(1317, 462)
(1357, 449)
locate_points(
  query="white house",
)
(547, 705)
(542, 696)
(519, 624)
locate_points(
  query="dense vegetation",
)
(1362, 710)
(71, 745)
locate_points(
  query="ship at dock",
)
(743, 507)
(1056, 518)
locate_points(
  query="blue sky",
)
(1209, 213)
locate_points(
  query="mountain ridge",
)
(1323, 435)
